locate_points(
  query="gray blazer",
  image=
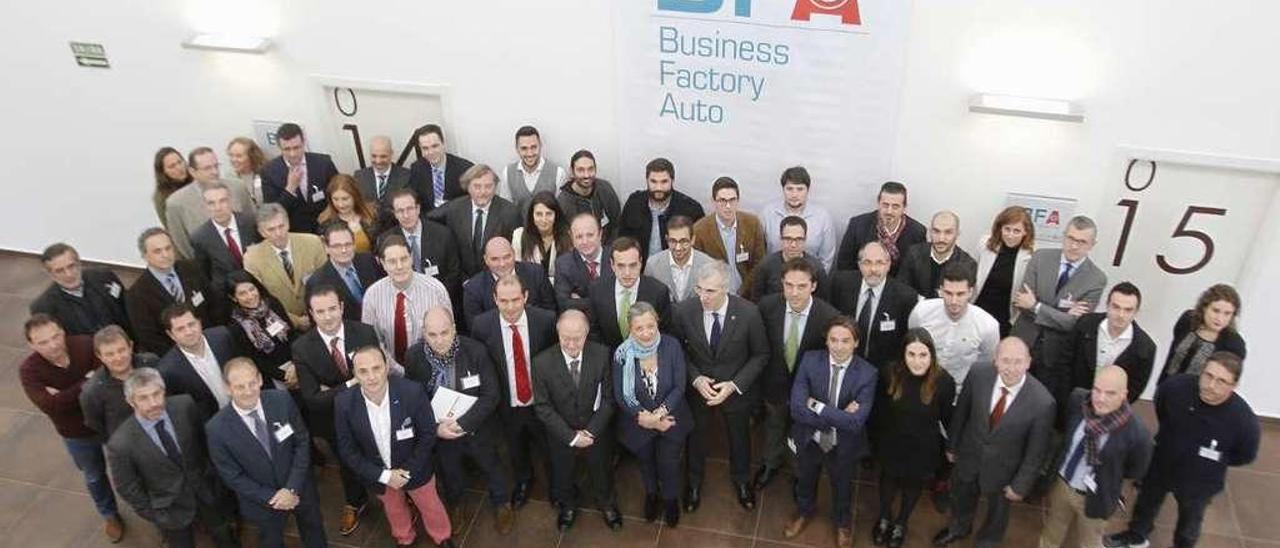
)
(397, 179)
(184, 212)
(1086, 283)
(1012, 453)
(659, 267)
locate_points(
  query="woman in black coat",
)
(1209, 327)
(914, 399)
(260, 327)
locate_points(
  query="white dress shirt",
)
(876, 291)
(1013, 392)
(485, 221)
(210, 372)
(522, 325)
(960, 343)
(680, 275)
(380, 426)
(1108, 348)
(246, 416)
(708, 320)
(235, 232)
(819, 406)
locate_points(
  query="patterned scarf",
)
(628, 356)
(1195, 346)
(253, 321)
(890, 239)
(441, 366)
(1096, 426)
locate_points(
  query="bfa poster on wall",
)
(748, 88)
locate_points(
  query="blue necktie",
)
(437, 183)
(174, 288)
(1074, 461)
(166, 442)
(1062, 278)
(353, 283)
(715, 331)
(260, 431)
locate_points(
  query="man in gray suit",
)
(185, 210)
(220, 242)
(1060, 285)
(998, 439)
(382, 177)
(676, 265)
(160, 464)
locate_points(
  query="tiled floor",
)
(43, 502)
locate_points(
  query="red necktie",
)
(338, 358)
(524, 391)
(234, 248)
(593, 270)
(998, 412)
(401, 332)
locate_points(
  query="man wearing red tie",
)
(220, 242)
(395, 305)
(513, 334)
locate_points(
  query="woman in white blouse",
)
(1002, 260)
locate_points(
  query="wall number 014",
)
(1183, 230)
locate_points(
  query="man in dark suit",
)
(726, 348)
(1107, 443)
(444, 359)
(194, 365)
(922, 263)
(644, 216)
(500, 260)
(347, 271)
(261, 449)
(573, 396)
(436, 177)
(382, 177)
(219, 243)
(1107, 338)
(889, 224)
(514, 333)
(297, 179)
(998, 440)
(477, 217)
(385, 432)
(795, 322)
(166, 282)
(160, 464)
(768, 275)
(82, 300)
(830, 401)
(880, 305)
(576, 270)
(613, 294)
(322, 357)
(431, 244)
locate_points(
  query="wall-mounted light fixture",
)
(1009, 105)
(228, 42)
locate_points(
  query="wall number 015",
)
(1183, 230)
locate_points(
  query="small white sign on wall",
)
(1049, 215)
(264, 132)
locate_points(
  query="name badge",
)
(743, 256)
(791, 444)
(114, 289)
(404, 434)
(283, 432)
(1211, 452)
(604, 219)
(888, 325)
(275, 328)
(433, 271)
(317, 196)
(352, 382)
(1066, 303)
(197, 299)
(470, 382)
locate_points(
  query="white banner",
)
(1049, 215)
(747, 89)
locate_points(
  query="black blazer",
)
(212, 255)
(410, 411)
(915, 268)
(103, 303)
(367, 271)
(319, 379)
(862, 231)
(397, 178)
(895, 305)
(490, 328)
(743, 350)
(1125, 455)
(571, 277)
(472, 362)
(254, 475)
(457, 216)
(422, 184)
(776, 380)
(768, 277)
(565, 408)
(1081, 356)
(181, 378)
(637, 222)
(303, 210)
(1010, 455)
(148, 297)
(604, 306)
(477, 292)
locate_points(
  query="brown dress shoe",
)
(114, 529)
(506, 519)
(844, 537)
(796, 526)
(350, 519)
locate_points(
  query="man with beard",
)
(586, 193)
(644, 217)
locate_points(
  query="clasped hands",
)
(658, 419)
(284, 499)
(714, 392)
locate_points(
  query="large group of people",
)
(428, 324)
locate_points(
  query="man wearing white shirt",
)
(184, 209)
(395, 305)
(1107, 338)
(194, 365)
(532, 174)
(963, 334)
(821, 240)
(219, 244)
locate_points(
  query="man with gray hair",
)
(166, 282)
(477, 217)
(220, 242)
(283, 260)
(922, 263)
(185, 209)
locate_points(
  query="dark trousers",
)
(599, 463)
(216, 517)
(777, 423)
(87, 455)
(479, 448)
(964, 504)
(660, 466)
(810, 461)
(1151, 497)
(353, 490)
(310, 525)
(737, 421)
(891, 487)
(524, 432)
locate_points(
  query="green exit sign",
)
(90, 55)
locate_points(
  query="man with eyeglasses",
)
(1205, 427)
(185, 210)
(347, 271)
(793, 232)
(732, 236)
(430, 244)
(675, 265)
(878, 304)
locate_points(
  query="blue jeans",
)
(87, 454)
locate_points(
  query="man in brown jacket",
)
(732, 236)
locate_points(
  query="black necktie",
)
(1063, 277)
(166, 442)
(575, 369)
(715, 331)
(477, 233)
(864, 321)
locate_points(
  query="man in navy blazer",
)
(829, 428)
(499, 260)
(347, 271)
(386, 432)
(262, 450)
(625, 281)
(296, 179)
(194, 365)
(436, 176)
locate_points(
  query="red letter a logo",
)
(846, 9)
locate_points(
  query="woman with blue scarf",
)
(648, 383)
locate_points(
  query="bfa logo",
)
(847, 10)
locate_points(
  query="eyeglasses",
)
(787, 240)
(727, 201)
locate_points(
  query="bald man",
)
(880, 306)
(499, 260)
(922, 264)
(1108, 443)
(382, 176)
(998, 440)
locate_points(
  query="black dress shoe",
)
(651, 506)
(672, 516)
(897, 536)
(947, 536)
(447, 543)
(692, 498)
(746, 497)
(520, 495)
(764, 475)
(880, 533)
(613, 518)
(567, 516)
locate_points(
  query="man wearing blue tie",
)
(261, 449)
(347, 271)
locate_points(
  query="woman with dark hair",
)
(346, 204)
(1209, 327)
(1002, 259)
(247, 160)
(547, 221)
(653, 419)
(260, 327)
(915, 398)
(171, 174)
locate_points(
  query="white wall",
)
(1149, 73)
